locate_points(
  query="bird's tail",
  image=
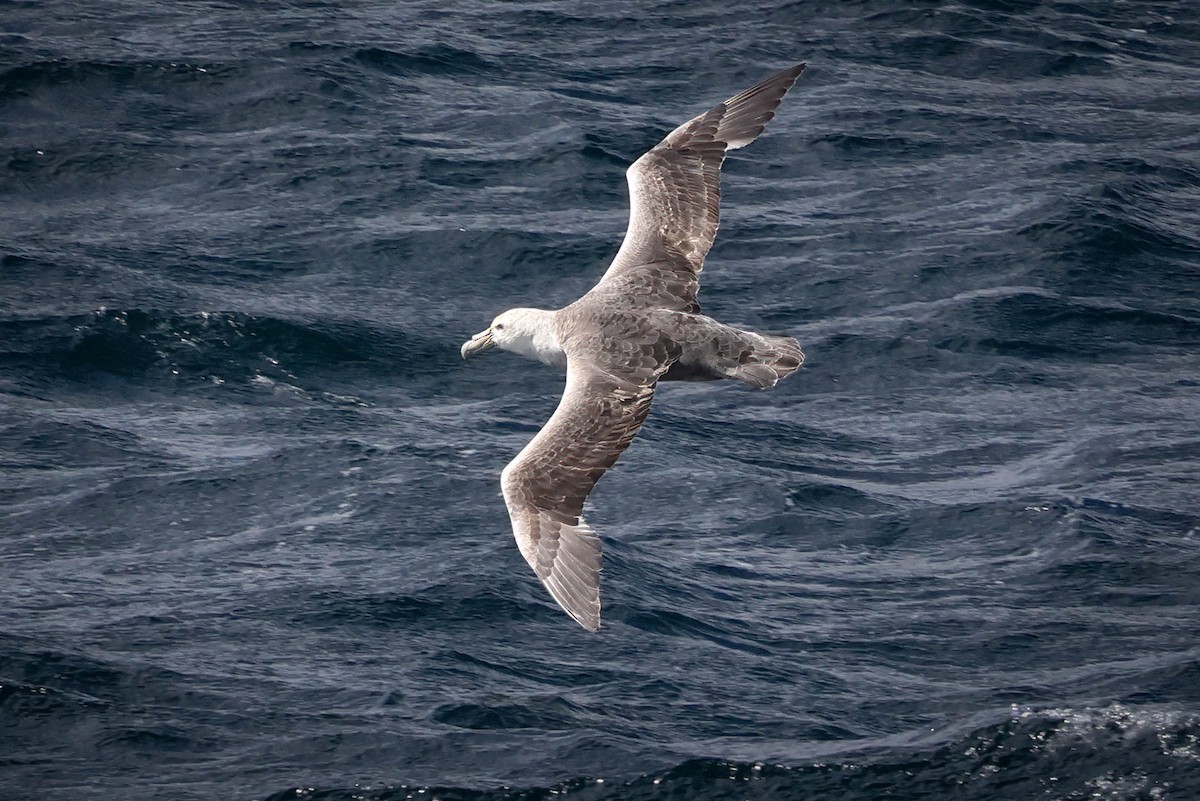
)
(766, 359)
(713, 350)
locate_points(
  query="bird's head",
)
(514, 330)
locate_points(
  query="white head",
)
(528, 332)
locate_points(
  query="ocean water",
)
(251, 538)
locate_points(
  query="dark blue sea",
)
(252, 544)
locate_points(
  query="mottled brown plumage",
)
(640, 324)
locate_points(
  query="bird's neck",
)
(539, 340)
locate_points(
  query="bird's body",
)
(639, 325)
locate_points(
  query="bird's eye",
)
(499, 326)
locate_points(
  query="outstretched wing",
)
(674, 197)
(545, 486)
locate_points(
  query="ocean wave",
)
(1038, 325)
(1113, 752)
(431, 606)
(30, 79)
(1122, 219)
(216, 347)
(436, 59)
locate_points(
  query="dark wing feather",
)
(674, 197)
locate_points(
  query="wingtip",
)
(582, 617)
(792, 71)
(796, 71)
(588, 618)
(792, 74)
